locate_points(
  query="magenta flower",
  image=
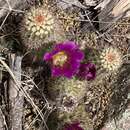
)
(65, 59)
(87, 71)
(73, 126)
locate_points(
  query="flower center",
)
(60, 58)
(39, 19)
(110, 57)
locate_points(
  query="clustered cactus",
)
(81, 88)
(96, 93)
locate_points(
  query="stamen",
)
(60, 58)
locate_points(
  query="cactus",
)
(78, 115)
(111, 59)
(40, 26)
(66, 93)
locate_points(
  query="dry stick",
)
(74, 2)
(36, 118)
(3, 123)
(113, 11)
(7, 6)
(19, 87)
(16, 98)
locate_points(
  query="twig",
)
(16, 98)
